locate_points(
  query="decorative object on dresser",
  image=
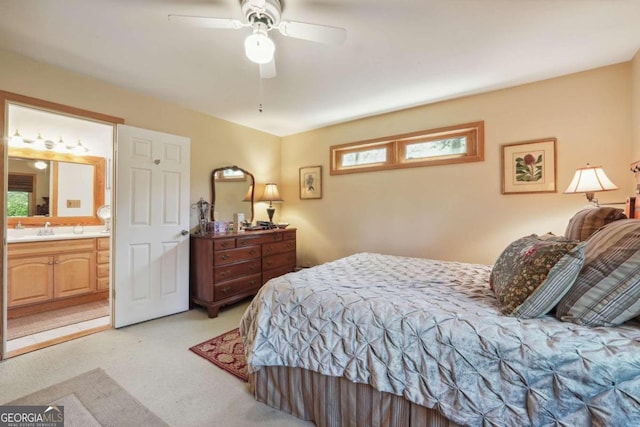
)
(226, 268)
(588, 180)
(529, 167)
(271, 195)
(311, 182)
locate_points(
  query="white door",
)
(151, 241)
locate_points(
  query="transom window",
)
(454, 144)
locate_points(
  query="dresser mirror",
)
(61, 189)
(232, 191)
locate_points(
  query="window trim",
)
(396, 147)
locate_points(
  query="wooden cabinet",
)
(103, 256)
(53, 274)
(227, 268)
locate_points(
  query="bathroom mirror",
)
(62, 189)
(231, 192)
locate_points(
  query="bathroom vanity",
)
(51, 272)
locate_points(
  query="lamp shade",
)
(590, 180)
(271, 194)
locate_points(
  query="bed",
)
(373, 339)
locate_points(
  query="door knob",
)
(184, 232)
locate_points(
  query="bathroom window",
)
(20, 195)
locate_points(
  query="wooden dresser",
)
(225, 268)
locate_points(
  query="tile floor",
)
(40, 337)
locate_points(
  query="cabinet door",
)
(29, 280)
(74, 274)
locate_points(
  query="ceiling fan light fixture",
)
(258, 47)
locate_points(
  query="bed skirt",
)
(335, 401)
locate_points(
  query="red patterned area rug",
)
(226, 352)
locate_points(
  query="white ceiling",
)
(398, 53)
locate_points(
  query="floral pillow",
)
(533, 273)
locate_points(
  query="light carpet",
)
(93, 399)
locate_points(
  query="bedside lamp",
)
(589, 180)
(271, 195)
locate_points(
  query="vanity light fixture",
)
(42, 144)
(79, 149)
(61, 147)
(271, 195)
(16, 140)
(589, 180)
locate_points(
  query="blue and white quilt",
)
(432, 332)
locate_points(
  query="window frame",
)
(396, 149)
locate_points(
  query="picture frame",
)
(311, 182)
(529, 167)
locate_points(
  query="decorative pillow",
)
(607, 290)
(533, 273)
(585, 222)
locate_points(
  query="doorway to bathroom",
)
(57, 229)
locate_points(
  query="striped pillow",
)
(587, 221)
(607, 290)
(533, 273)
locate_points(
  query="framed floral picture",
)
(529, 167)
(311, 182)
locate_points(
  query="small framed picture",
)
(311, 182)
(529, 167)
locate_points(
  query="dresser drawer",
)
(232, 271)
(270, 274)
(230, 288)
(222, 244)
(258, 240)
(289, 235)
(236, 255)
(280, 260)
(279, 247)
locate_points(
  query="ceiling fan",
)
(263, 16)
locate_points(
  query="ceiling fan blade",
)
(268, 70)
(206, 22)
(313, 32)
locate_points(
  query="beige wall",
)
(457, 212)
(635, 106)
(447, 212)
(214, 142)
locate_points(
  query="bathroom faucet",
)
(46, 231)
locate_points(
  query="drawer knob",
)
(224, 257)
(252, 283)
(252, 252)
(225, 273)
(225, 289)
